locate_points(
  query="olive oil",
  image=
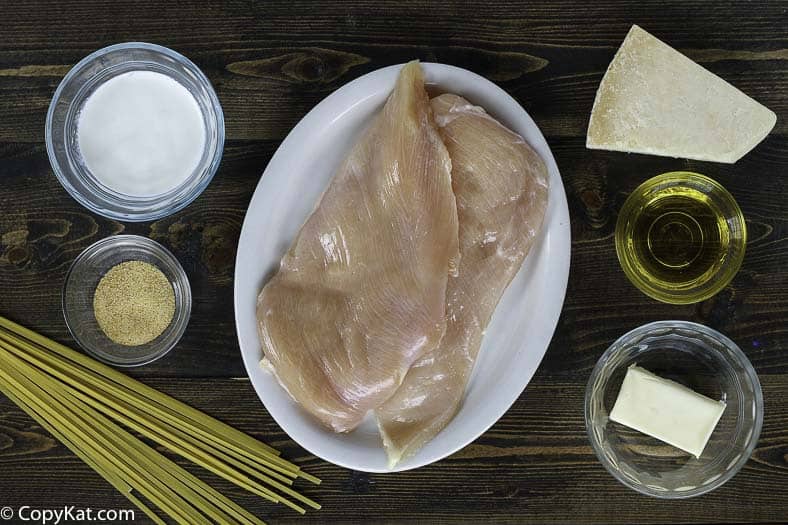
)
(680, 237)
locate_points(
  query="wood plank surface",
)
(271, 62)
(534, 466)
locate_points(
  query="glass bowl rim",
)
(163, 254)
(735, 352)
(131, 215)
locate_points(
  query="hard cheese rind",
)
(666, 410)
(655, 100)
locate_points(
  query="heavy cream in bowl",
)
(141, 133)
(135, 132)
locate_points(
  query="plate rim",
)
(563, 265)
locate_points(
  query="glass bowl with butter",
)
(673, 409)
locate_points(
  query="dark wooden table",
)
(270, 63)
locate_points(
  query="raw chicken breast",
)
(501, 187)
(361, 293)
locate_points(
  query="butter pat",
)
(666, 410)
(655, 100)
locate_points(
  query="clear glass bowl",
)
(61, 130)
(695, 289)
(82, 279)
(701, 359)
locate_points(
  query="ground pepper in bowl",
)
(134, 303)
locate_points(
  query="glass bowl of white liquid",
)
(701, 359)
(135, 132)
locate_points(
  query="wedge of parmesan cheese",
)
(655, 100)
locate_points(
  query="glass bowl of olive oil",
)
(680, 237)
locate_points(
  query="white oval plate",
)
(294, 180)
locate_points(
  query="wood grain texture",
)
(273, 61)
(533, 466)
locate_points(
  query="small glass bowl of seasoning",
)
(126, 300)
(699, 359)
(135, 132)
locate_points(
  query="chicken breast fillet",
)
(360, 295)
(501, 186)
